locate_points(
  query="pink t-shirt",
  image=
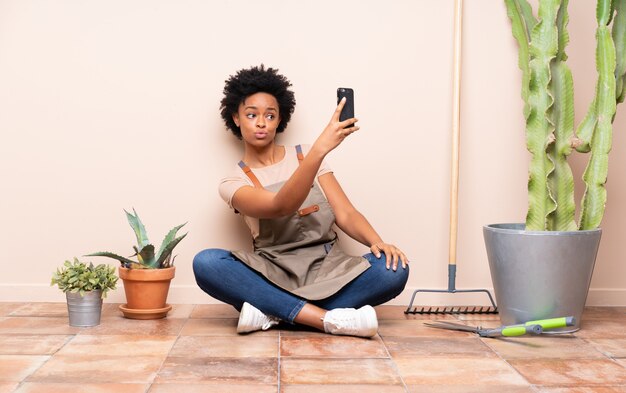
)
(271, 174)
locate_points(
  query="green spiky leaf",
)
(147, 257)
(120, 258)
(138, 228)
(168, 239)
(169, 247)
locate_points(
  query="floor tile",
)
(338, 371)
(591, 313)
(385, 312)
(118, 325)
(299, 331)
(225, 347)
(212, 388)
(180, 311)
(36, 325)
(602, 328)
(611, 347)
(469, 388)
(411, 347)
(8, 387)
(328, 346)
(214, 311)
(58, 310)
(582, 389)
(480, 371)
(177, 311)
(342, 389)
(7, 308)
(219, 370)
(36, 387)
(14, 368)
(118, 345)
(219, 327)
(415, 328)
(32, 344)
(98, 368)
(543, 347)
(479, 317)
(568, 372)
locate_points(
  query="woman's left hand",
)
(392, 254)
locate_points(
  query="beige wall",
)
(106, 105)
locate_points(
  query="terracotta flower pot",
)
(146, 292)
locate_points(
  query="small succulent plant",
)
(77, 276)
(144, 251)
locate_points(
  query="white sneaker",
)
(351, 322)
(252, 319)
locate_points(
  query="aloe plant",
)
(144, 251)
(548, 93)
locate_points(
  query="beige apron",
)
(299, 252)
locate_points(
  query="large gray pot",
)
(540, 274)
(84, 311)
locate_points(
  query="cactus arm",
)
(168, 250)
(539, 128)
(604, 12)
(594, 198)
(562, 20)
(619, 38)
(584, 132)
(522, 22)
(561, 180)
(168, 238)
(138, 228)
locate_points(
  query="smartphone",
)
(348, 109)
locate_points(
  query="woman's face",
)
(258, 119)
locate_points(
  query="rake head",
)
(453, 310)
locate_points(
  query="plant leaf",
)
(138, 228)
(146, 257)
(168, 238)
(168, 250)
(111, 255)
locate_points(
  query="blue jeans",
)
(226, 278)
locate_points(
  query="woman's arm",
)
(260, 203)
(355, 225)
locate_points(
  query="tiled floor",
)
(196, 349)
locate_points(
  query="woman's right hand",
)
(336, 131)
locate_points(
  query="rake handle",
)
(456, 131)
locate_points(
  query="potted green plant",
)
(85, 286)
(147, 279)
(543, 268)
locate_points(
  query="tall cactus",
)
(548, 93)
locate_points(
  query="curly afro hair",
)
(257, 80)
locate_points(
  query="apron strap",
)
(299, 154)
(246, 169)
